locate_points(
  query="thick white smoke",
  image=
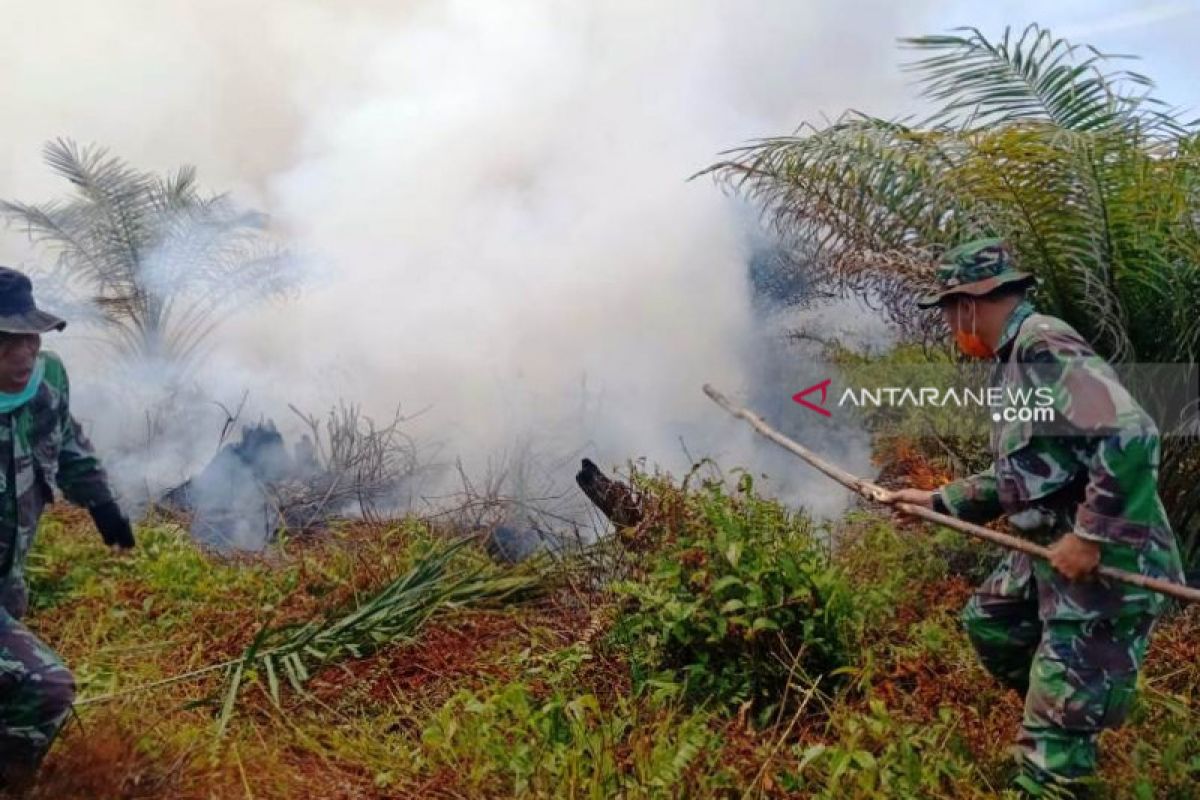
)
(492, 199)
(513, 241)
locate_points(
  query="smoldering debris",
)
(509, 544)
(348, 466)
(258, 486)
(512, 543)
(230, 501)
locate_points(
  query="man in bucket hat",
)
(41, 446)
(1086, 486)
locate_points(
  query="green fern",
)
(672, 758)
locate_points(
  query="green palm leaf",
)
(1033, 77)
(155, 261)
(394, 613)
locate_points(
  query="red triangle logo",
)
(824, 387)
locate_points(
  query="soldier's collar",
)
(1012, 325)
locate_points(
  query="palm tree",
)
(1094, 182)
(156, 262)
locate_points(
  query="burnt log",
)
(614, 499)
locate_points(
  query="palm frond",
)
(1033, 77)
(161, 262)
(863, 196)
(395, 613)
(864, 180)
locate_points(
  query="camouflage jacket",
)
(1093, 470)
(41, 448)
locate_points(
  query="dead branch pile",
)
(359, 466)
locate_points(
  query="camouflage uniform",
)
(1072, 648)
(41, 445)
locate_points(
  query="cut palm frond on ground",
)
(293, 653)
(394, 614)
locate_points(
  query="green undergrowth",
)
(739, 649)
(744, 600)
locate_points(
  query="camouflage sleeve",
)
(974, 498)
(80, 475)
(1121, 502)
(1111, 436)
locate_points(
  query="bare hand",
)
(1074, 557)
(916, 497)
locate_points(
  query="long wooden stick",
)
(878, 494)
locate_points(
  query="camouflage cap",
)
(976, 268)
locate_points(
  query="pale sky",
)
(1162, 33)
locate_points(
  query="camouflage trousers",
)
(36, 692)
(1078, 677)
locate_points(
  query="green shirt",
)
(41, 448)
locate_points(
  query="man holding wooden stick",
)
(1070, 641)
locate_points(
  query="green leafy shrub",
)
(738, 600)
(1169, 764)
(512, 743)
(877, 756)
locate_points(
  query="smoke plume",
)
(492, 200)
